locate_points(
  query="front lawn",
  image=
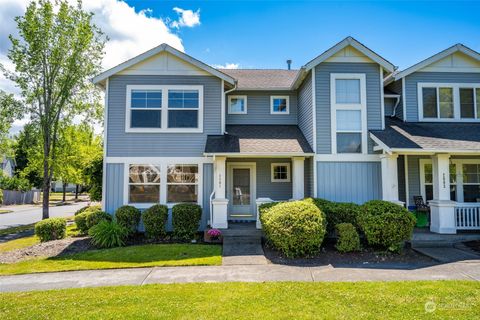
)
(287, 300)
(18, 243)
(123, 257)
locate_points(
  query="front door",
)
(241, 191)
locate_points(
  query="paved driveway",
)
(26, 214)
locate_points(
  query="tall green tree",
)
(10, 109)
(58, 50)
(27, 141)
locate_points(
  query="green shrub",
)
(129, 217)
(186, 220)
(94, 217)
(338, 212)
(1, 196)
(348, 238)
(14, 183)
(296, 228)
(155, 220)
(89, 208)
(108, 234)
(81, 222)
(51, 229)
(386, 224)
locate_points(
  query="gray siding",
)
(265, 187)
(308, 181)
(401, 178)
(113, 187)
(349, 181)
(305, 119)
(389, 105)
(322, 84)
(397, 88)
(122, 144)
(258, 109)
(412, 80)
(207, 191)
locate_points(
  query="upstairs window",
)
(237, 104)
(470, 103)
(438, 102)
(146, 109)
(347, 91)
(349, 131)
(279, 105)
(183, 108)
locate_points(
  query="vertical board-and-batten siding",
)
(305, 117)
(349, 181)
(113, 187)
(322, 85)
(122, 144)
(258, 108)
(412, 80)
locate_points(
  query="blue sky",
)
(258, 34)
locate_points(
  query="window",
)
(146, 109)
(471, 182)
(449, 101)
(280, 105)
(237, 104)
(183, 108)
(280, 172)
(143, 184)
(348, 99)
(182, 183)
(427, 192)
(164, 108)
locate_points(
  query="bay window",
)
(348, 113)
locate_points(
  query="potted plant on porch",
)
(213, 236)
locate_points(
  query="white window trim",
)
(287, 98)
(182, 183)
(163, 163)
(128, 183)
(284, 164)
(230, 104)
(456, 101)
(164, 121)
(362, 106)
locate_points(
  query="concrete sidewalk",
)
(468, 270)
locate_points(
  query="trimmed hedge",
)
(51, 229)
(95, 217)
(155, 221)
(338, 212)
(296, 228)
(348, 238)
(128, 217)
(386, 224)
(81, 222)
(108, 234)
(89, 208)
(186, 220)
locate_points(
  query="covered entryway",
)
(241, 190)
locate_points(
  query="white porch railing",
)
(467, 216)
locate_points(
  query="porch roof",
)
(259, 139)
(428, 136)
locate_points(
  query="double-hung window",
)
(279, 105)
(182, 183)
(471, 182)
(237, 104)
(164, 108)
(143, 183)
(348, 113)
(449, 102)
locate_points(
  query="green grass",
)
(18, 243)
(124, 257)
(287, 300)
(2, 211)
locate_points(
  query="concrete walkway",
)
(468, 270)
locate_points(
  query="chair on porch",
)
(421, 206)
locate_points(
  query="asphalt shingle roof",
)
(262, 78)
(274, 139)
(429, 135)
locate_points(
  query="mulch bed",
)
(366, 257)
(474, 245)
(48, 249)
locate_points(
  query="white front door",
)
(241, 191)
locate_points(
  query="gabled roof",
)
(439, 56)
(99, 79)
(350, 41)
(262, 79)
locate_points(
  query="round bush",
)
(128, 217)
(108, 234)
(186, 220)
(81, 222)
(94, 217)
(386, 224)
(88, 208)
(296, 228)
(51, 229)
(155, 220)
(348, 239)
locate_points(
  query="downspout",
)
(224, 99)
(395, 107)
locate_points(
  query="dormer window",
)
(279, 105)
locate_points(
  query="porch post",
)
(390, 178)
(442, 209)
(219, 203)
(298, 176)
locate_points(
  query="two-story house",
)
(346, 127)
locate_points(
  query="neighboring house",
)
(7, 166)
(57, 186)
(178, 130)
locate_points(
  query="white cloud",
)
(187, 18)
(227, 66)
